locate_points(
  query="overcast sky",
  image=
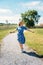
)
(11, 9)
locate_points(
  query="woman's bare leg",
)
(21, 46)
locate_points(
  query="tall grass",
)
(5, 29)
(35, 40)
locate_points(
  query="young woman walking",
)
(20, 35)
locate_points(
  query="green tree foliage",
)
(30, 17)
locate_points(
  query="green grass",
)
(35, 40)
(4, 32)
(5, 29)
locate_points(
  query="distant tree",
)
(41, 24)
(1, 24)
(6, 21)
(30, 17)
(7, 24)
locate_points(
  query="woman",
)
(21, 37)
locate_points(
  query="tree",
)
(7, 22)
(30, 17)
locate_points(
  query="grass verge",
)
(35, 40)
(4, 32)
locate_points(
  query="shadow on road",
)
(33, 54)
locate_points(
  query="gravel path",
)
(11, 53)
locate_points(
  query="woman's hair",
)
(20, 23)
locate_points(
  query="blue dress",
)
(21, 37)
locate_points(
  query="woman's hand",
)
(32, 31)
(11, 32)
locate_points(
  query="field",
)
(5, 29)
(35, 40)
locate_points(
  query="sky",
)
(11, 9)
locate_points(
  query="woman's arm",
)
(30, 30)
(13, 31)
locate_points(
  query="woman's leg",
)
(21, 46)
